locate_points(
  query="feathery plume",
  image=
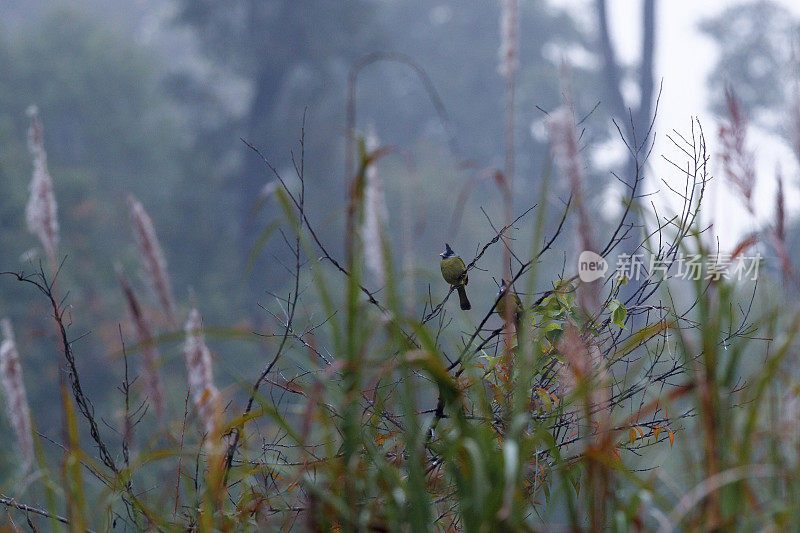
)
(588, 373)
(564, 145)
(16, 398)
(789, 418)
(42, 211)
(779, 231)
(584, 364)
(738, 162)
(795, 125)
(794, 107)
(268, 190)
(566, 153)
(576, 365)
(780, 209)
(578, 362)
(144, 336)
(509, 15)
(375, 217)
(152, 256)
(205, 395)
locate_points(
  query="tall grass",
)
(671, 409)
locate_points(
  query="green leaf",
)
(576, 484)
(551, 327)
(618, 313)
(544, 397)
(491, 361)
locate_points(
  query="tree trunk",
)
(633, 122)
(254, 174)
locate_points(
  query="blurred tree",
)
(638, 124)
(458, 43)
(757, 58)
(107, 131)
(634, 120)
(291, 54)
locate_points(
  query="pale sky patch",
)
(684, 58)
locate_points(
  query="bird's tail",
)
(462, 298)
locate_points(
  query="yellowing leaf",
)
(554, 398)
(656, 431)
(671, 436)
(632, 434)
(544, 397)
(492, 361)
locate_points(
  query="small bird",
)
(454, 272)
(509, 298)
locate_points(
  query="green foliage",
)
(618, 313)
(513, 445)
(104, 128)
(679, 409)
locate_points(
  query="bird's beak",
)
(441, 254)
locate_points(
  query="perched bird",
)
(510, 298)
(454, 272)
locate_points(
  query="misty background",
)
(152, 98)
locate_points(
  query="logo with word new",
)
(591, 266)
